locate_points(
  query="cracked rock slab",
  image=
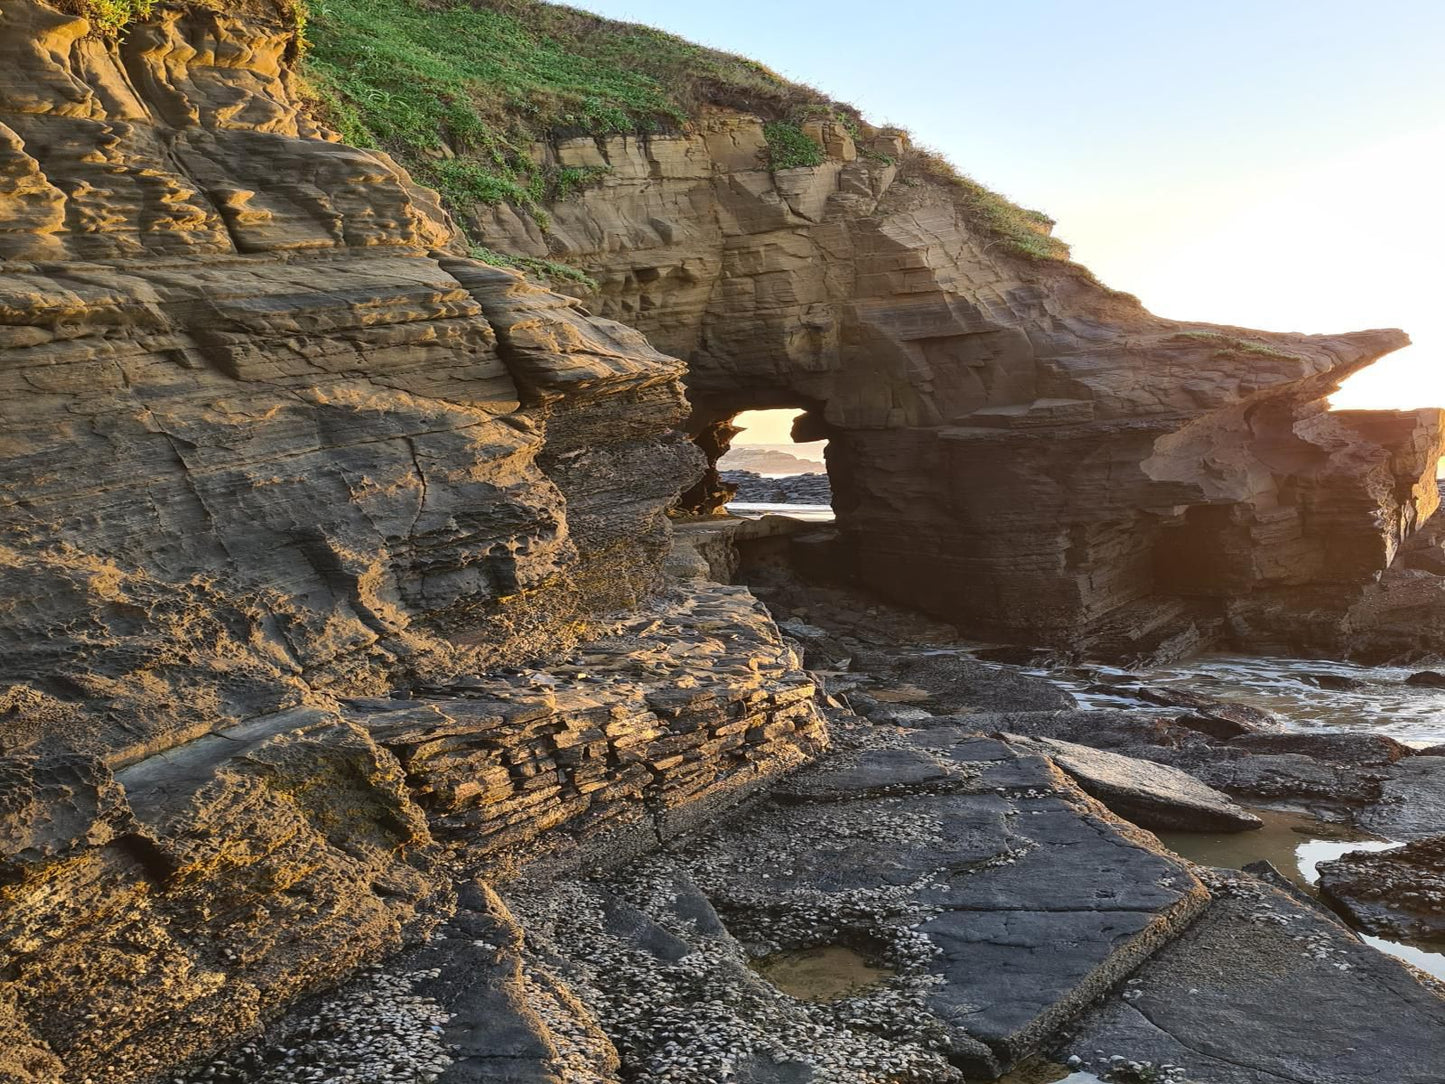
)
(1266, 990)
(1001, 898)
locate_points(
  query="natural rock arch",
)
(1013, 446)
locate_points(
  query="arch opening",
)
(762, 459)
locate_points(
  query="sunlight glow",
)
(1342, 244)
(765, 426)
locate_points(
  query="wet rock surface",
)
(1397, 893)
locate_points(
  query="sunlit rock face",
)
(1011, 445)
(287, 486)
(262, 434)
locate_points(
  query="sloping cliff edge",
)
(275, 448)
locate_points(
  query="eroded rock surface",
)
(260, 439)
(1398, 893)
(1011, 445)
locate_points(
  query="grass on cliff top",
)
(460, 91)
(110, 17)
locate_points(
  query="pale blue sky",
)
(1277, 164)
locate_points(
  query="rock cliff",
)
(1011, 445)
(333, 558)
(275, 450)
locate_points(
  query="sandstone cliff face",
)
(273, 449)
(1012, 446)
(261, 433)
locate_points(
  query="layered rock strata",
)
(1011, 445)
(262, 435)
(291, 487)
(150, 915)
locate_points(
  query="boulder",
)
(1338, 682)
(1151, 795)
(1398, 893)
(1217, 718)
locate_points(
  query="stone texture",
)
(1412, 800)
(1151, 795)
(1011, 445)
(1398, 893)
(1003, 899)
(262, 436)
(1237, 999)
(149, 917)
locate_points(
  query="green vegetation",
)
(789, 146)
(1024, 231)
(463, 91)
(550, 270)
(110, 16)
(1230, 344)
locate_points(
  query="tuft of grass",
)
(1231, 344)
(789, 146)
(110, 18)
(1020, 229)
(549, 270)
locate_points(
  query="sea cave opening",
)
(762, 460)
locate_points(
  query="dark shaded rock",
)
(1151, 795)
(1014, 655)
(1340, 682)
(1217, 718)
(789, 489)
(954, 683)
(1398, 893)
(1411, 802)
(1236, 1000)
(1356, 748)
(1429, 679)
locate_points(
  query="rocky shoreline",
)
(787, 489)
(382, 697)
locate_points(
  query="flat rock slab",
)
(1397, 893)
(1000, 897)
(1412, 800)
(1149, 794)
(1266, 990)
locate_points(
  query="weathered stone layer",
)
(1011, 445)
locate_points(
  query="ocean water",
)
(812, 513)
(1383, 703)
